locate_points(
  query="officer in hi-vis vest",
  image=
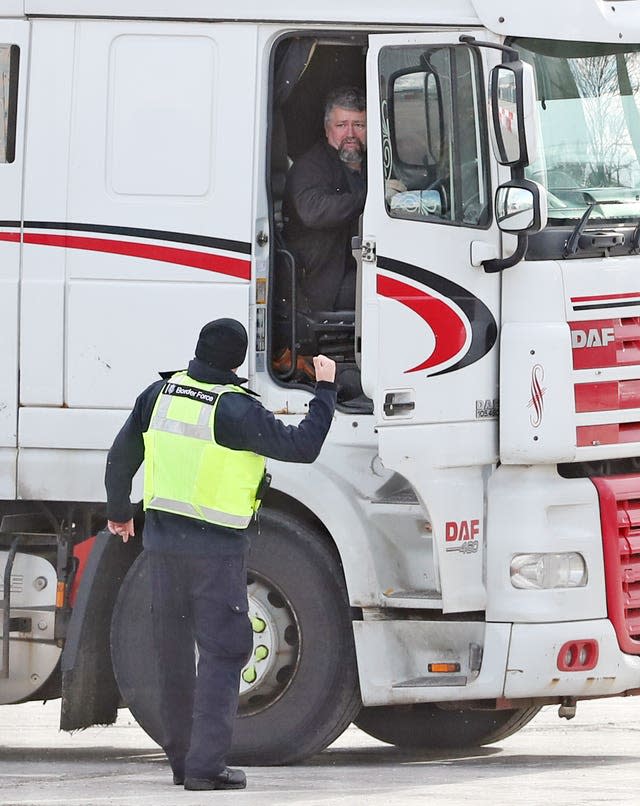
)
(204, 439)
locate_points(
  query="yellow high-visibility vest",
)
(185, 470)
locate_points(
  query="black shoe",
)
(227, 779)
(178, 780)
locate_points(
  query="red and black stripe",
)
(605, 301)
(87, 237)
(447, 326)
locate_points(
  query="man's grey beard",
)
(351, 156)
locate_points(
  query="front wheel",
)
(426, 726)
(299, 690)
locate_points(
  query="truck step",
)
(401, 497)
(436, 680)
(417, 599)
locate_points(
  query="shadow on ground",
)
(384, 755)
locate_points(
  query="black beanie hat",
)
(222, 344)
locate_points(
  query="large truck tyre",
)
(300, 690)
(426, 726)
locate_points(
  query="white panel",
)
(42, 327)
(392, 651)
(121, 335)
(598, 21)
(12, 8)
(160, 95)
(368, 10)
(533, 291)
(221, 210)
(70, 428)
(46, 172)
(536, 394)
(11, 33)
(448, 476)
(9, 263)
(533, 671)
(8, 473)
(59, 475)
(615, 275)
(533, 509)
(157, 147)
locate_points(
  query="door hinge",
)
(369, 251)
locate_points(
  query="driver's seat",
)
(307, 333)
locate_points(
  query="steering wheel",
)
(441, 185)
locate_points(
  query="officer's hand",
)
(325, 368)
(125, 530)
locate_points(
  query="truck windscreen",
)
(588, 106)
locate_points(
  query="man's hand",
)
(391, 187)
(125, 530)
(325, 368)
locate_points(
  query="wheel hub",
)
(276, 647)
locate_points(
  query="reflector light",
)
(545, 571)
(578, 656)
(60, 591)
(444, 667)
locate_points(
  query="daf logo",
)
(595, 337)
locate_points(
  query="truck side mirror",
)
(513, 104)
(521, 207)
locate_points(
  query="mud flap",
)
(90, 694)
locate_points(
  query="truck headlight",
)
(544, 571)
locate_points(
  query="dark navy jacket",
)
(322, 204)
(242, 423)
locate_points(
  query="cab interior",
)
(304, 70)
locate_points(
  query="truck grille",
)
(620, 519)
(606, 344)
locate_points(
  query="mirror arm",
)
(498, 264)
(511, 54)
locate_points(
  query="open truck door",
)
(429, 310)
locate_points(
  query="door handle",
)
(399, 403)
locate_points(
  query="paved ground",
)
(593, 759)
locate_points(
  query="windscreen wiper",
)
(598, 240)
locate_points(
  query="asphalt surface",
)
(593, 759)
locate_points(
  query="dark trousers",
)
(336, 292)
(199, 601)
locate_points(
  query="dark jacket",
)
(242, 423)
(323, 200)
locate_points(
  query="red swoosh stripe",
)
(447, 326)
(231, 266)
(221, 264)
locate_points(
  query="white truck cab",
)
(467, 547)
